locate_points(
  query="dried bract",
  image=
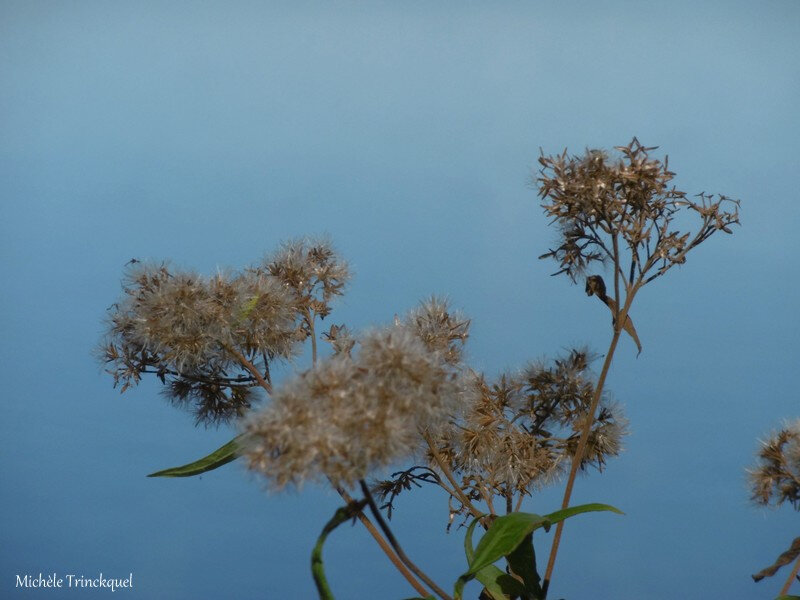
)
(440, 328)
(312, 270)
(776, 479)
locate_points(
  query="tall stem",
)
(790, 580)
(396, 546)
(577, 459)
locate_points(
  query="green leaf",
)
(788, 598)
(522, 562)
(499, 585)
(220, 456)
(560, 515)
(468, 549)
(506, 533)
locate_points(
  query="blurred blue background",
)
(207, 132)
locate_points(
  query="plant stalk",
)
(785, 589)
(250, 367)
(450, 477)
(387, 550)
(620, 318)
(396, 546)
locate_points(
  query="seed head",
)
(348, 416)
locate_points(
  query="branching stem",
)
(250, 367)
(450, 477)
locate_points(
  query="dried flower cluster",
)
(348, 416)
(777, 477)
(194, 333)
(604, 206)
(314, 273)
(520, 431)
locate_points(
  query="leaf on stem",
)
(221, 456)
(506, 533)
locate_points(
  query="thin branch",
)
(310, 320)
(250, 367)
(387, 550)
(449, 474)
(226, 381)
(487, 497)
(396, 546)
(266, 368)
(785, 589)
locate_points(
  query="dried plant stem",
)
(310, 320)
(579, 452)
(250, 367)
(487, 497)
(387, 550)
(396, 546)
(449, 474)
(785, 589)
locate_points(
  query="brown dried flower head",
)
(312, 270)
(522, 429)
(776, 479)
(606, 206)
(193, 331)
(348, 416)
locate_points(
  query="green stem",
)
(317, 568)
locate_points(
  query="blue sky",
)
(208, 132)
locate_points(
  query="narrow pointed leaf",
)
(560, 515)
(469, 550)
(220, 456)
